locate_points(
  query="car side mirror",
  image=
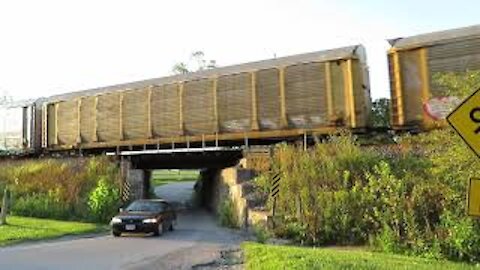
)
(120, 209)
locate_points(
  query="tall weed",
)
(62, 188)
(407, 197)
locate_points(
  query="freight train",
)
(313, 93)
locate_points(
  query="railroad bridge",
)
(208, 118)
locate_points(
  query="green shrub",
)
(227, 215)
(321, 190)
(261, 234)
(295, 230)
(61, 188)
(386, 240)
(104, 200)
(462, 238)
(407, 197)
(263, 183)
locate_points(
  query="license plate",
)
(130, 227)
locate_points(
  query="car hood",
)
(136, 215)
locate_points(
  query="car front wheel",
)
(159, 230)
(116, 233)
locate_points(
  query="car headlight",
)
(116, 220)
(150, 220)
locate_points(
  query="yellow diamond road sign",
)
(473, 197)
(465, 119)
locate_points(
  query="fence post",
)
(3, 213)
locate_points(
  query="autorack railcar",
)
(316, 92)
(419, 101)
(19, 127)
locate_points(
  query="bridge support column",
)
(136, 182)
(227, 184)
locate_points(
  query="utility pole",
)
(3, 213)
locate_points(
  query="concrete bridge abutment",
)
(232, 184)
(135, 182)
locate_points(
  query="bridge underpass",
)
(218, 168)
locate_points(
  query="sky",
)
(50, 47)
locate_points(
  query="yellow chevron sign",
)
(473, 197)
(465, 119)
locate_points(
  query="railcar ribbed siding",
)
(198, 107)
(67, 122)
(234, 102)
(166, 111)
(108, 117)
(135, 111)
(87, 120)
(268, 98)
(305, 95)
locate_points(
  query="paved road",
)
(196, 240)
(180, 192)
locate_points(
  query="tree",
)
(380, 116)
(197, 62)
(180, 68)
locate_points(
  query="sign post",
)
(465, 119)
(275, 189)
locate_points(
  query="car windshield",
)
(145, 206)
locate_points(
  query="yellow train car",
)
(418, 100)
(314, 93)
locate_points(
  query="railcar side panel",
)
(108, 117)
(135, 114)
(338, 112)
(166, 111)
(268, 99)
(67, 122)
(88, 133)
(234, 102)
(51, 125)
(306, 95)
(198, 107)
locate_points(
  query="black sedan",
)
(144, 216)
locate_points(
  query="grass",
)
(162, 177)
(20, 229)
(260, 256)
